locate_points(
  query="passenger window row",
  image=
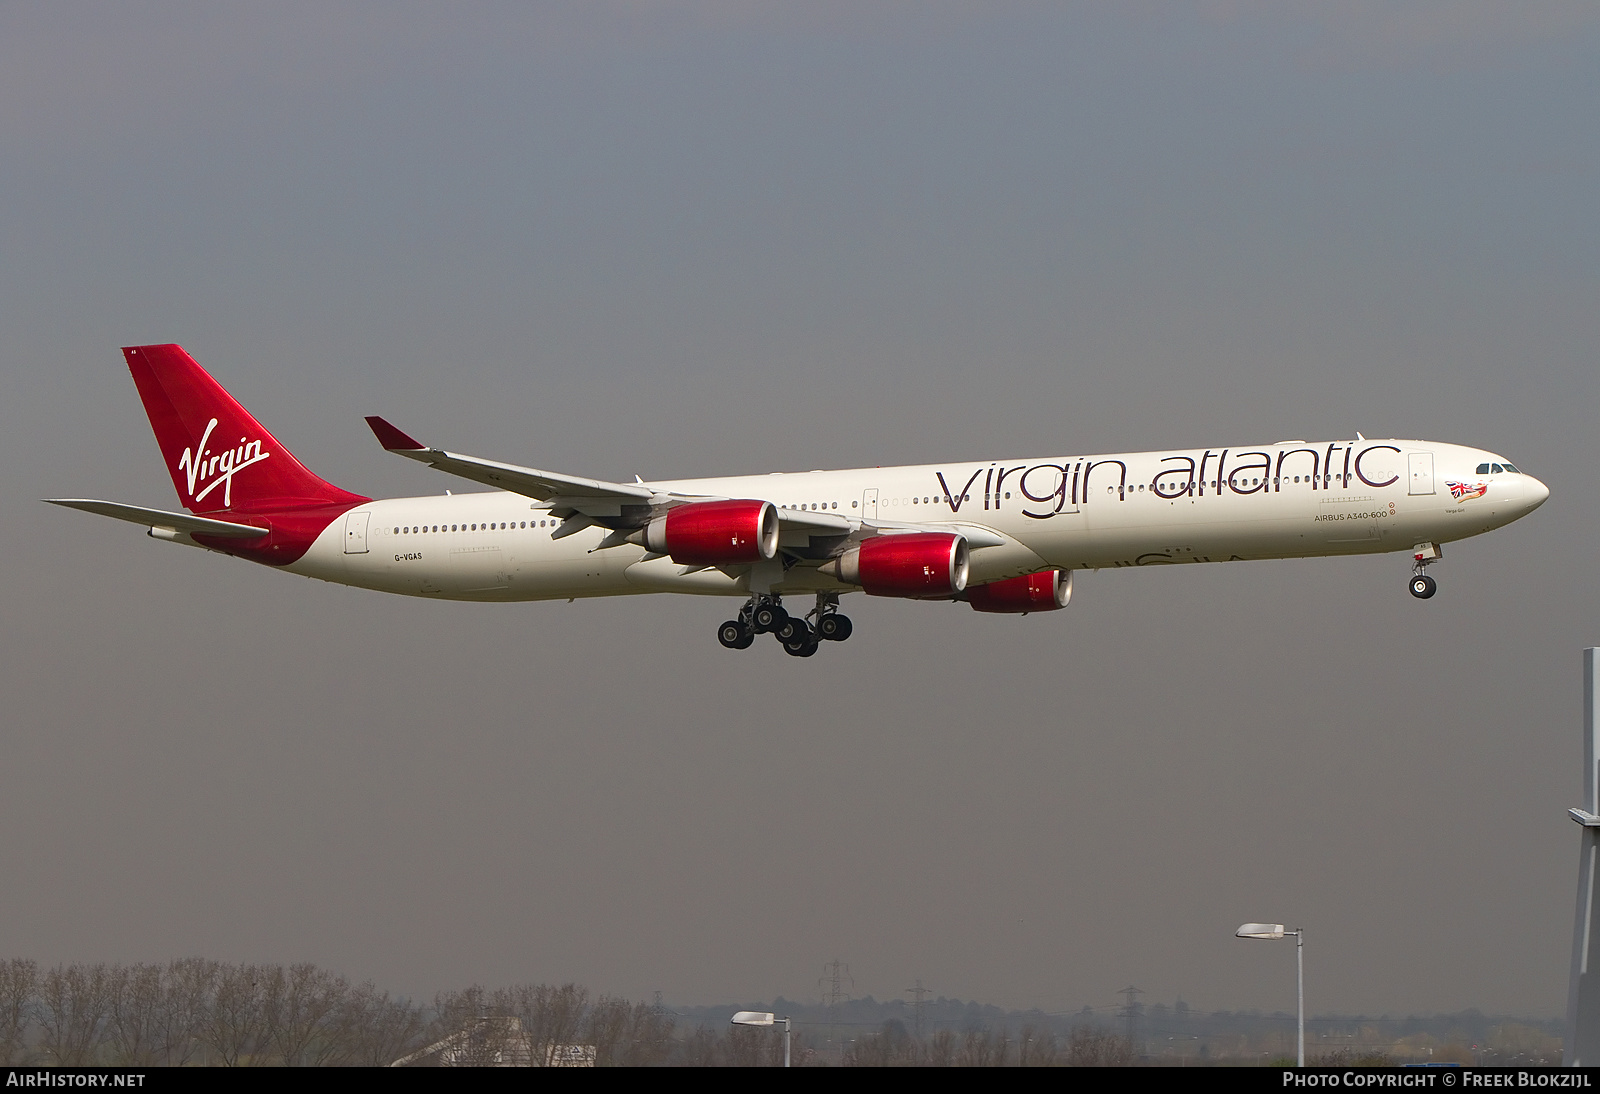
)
(488, 526)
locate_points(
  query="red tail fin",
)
(219, 456)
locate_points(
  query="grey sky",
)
(705, 239)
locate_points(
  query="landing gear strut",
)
(1424, 554)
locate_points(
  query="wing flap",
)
(816, 524)
(976, 535)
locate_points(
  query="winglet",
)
(391, 438)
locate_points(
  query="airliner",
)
(1004, 536)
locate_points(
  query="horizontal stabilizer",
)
(157, 518)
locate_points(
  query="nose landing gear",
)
(1424, 554)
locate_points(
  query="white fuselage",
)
(1284, 500)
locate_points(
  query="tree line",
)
(198, 1012)
(195, 1012)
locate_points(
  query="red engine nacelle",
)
(716, 533)
(917, 564)
(1041, 592)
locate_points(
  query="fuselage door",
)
(869, 505)
(1421, 468)
(355, 533)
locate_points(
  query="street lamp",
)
(765, 1018)
(1275, 930)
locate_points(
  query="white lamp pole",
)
(1275, 930)
(765, 1018)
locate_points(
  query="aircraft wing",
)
(595, 498)
(159, 518)
(591, 496)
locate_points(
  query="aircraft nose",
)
(1535, 491)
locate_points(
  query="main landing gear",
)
(1423, 555)
(765, 614)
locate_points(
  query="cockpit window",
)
(1495, 469)
(1511, 469)
(1483, 469)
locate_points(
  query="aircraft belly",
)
(549, 569)
(663, 575)
(1195, 531)
(805, 579)
(508, 564)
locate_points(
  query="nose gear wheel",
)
(1424, 555)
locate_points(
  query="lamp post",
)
(765, 1018)
(1275, 930)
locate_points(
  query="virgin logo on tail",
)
(199, 464)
